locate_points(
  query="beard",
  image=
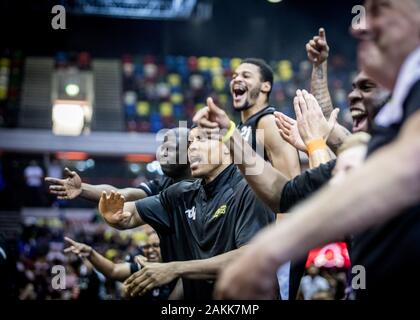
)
(250, 101)
(373, 112)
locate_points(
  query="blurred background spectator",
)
(41, 247)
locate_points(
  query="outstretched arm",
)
(94, 192)
(332, 213)
(115, 271)
(118, 214)
(72, 187)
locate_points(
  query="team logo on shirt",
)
(220, 211)
(246, 133)
(190, 213)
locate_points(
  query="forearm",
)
(266, 181)
(319, 88)
(93, 192)
(337, 136)
(319, 157)
(109, 269)
(206, 268)
(132, 194)
(335, 212)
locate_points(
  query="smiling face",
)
(365, 100)
(206, 154)
(247, 86)
(392, 33)
(151, 249)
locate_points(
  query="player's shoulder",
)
(184, 186)
(266, 118)
(239, 185)
(164, 182)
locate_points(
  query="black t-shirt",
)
(296, 190)
(205, 220)
(305, 184)
(153, 187)
(249, 128)
(390, 252)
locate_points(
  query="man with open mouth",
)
(206, 222)
(365, 101)
(250, 87)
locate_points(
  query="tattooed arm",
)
(318, 51)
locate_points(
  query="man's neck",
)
(248, 113)
(215, 173)
(183, 176)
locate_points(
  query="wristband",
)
(230, 132)
(315, 145)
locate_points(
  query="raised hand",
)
(289, 131)
(68, 188)
(111, 208)
(212, 117)
(310, 119)
(317, 48)
(80, 249)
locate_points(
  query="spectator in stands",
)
(121, 271)
(34, 175)
(313, 283)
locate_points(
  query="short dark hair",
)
(266, 72)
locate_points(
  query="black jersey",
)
(201, 221)
(248, 129)
(390, 253)
(304, 185)
(153, 187)
(296, 190)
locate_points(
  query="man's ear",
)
(266, 87)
